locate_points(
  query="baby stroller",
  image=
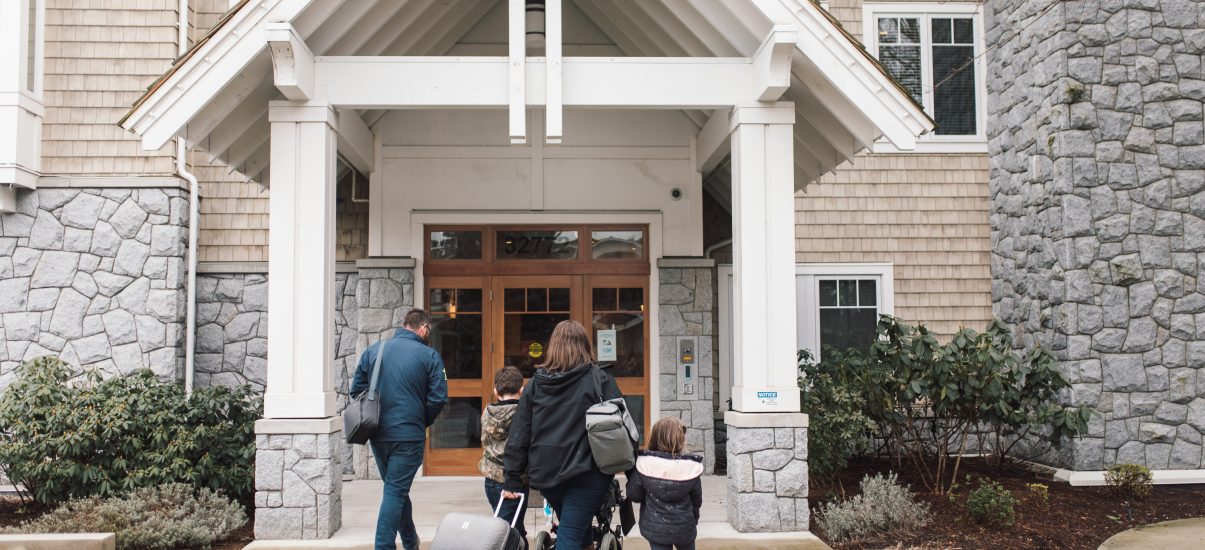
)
(605, 535)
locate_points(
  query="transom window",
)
(931, 51)
(566, 250)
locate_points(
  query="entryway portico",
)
(456, 120)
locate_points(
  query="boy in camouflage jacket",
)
(495, 427)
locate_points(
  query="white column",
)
(301, 261)
(763, 226)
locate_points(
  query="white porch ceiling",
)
(831, 125)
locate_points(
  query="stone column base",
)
(767, 471)
(298, 478)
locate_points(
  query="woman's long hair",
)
(568, 348)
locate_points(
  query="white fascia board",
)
(900, 120)
(177, 100)
(482, 82)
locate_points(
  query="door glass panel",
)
(619, 330)
(617, 245)
(456, 330)
(456, 245)
(528, 325)
(458, 425)
(537, 245)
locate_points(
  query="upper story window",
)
(931, 50)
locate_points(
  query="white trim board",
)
(808, 300)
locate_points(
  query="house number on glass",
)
(528, 246)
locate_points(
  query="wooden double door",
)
(483, 323)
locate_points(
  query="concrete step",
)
(805, 541)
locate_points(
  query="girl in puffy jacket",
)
(668, 487)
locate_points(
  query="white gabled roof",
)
(216, 95)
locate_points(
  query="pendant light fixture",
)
(535, 24)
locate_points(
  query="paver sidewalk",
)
(1181, 533)
(435, 497)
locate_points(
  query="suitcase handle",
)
(518, 511)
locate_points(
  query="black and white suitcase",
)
(460, 531)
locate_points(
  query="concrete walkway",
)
(1181, 533)
(435, 497)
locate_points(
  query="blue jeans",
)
(493, 492)
(659, 546)
(576, 501)
(397, 461)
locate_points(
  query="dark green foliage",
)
(151, 518)
(66, 438)
(835, 400)
(1130, 481)
(990, 503)
(930, 400)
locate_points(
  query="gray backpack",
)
(612, 432)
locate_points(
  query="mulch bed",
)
(1073, 517)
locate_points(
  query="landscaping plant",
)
(1129, 481)
(930, 400)
(883, 506)
(835, 399)
(992, 504)
(166, 517)
(65, 435)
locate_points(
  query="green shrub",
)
(831, 393)
(151, 518)
(65, 436)
(883, 506)
(992, 504)
(1130, 481)
(929, 399)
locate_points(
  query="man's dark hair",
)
(508, 381)
(416, 318)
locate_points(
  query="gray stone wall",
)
(767, 477)
(1098, 213)
(685, 308)
(95, 277)
(298, 486)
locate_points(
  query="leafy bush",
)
(929, 400)
(1040, 491)
(151, 518)
(836, 400)
(884, 506)
(992, 504)
(66, 438)
(1130, 481)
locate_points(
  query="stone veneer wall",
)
(96, 277)
(767, 472)
(685, 308)
(1098, 213)
(298, 485)
(232, 331)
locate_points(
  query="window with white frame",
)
(839, 304)
(932, 51)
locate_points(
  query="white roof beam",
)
(387, 29)
(234, 95)
(451, 82)
(716, 43)
(722, 20)
(713, 142)
(257, 164)
(472, 16)
(805, 162)
(821, 145)
(292, 62)
(516, 75)
(248, 113)
(678, 31)
(247, 145)
(340, 24)
(633, 45)
(438, 20)
(772, 63)
(553, 109)
(355, 141)
(314, 15)
(373, 21)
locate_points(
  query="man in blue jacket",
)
(413, 388)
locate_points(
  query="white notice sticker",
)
(606, 345)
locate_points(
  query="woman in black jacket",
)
(666, 484)
(548, 438)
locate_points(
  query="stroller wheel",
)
(608, 542)
(544, 541)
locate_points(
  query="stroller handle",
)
(518, 511)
